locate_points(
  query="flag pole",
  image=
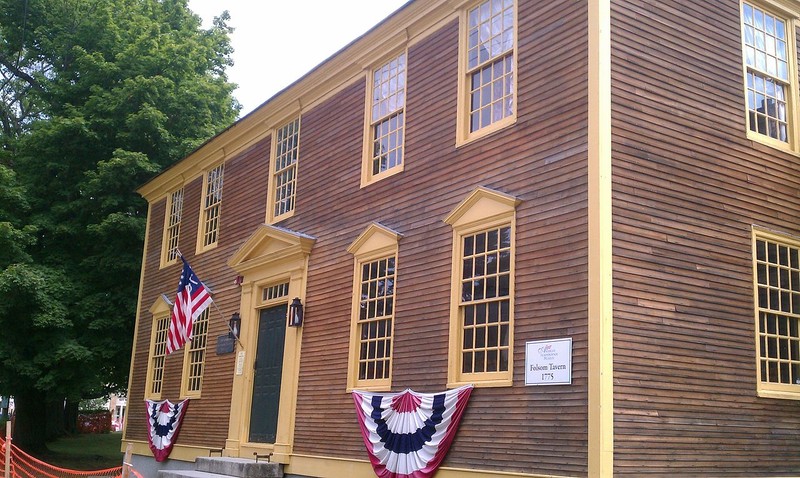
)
(178, 251)
(228, 324)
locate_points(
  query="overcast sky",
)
(277, 42)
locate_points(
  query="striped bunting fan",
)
(407, 434)
(164, 420)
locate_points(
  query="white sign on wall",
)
(548, 362)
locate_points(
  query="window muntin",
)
(158, 354)
(490, 63)
(284, 176)
(375, 320)
(212, 203)
(172, 226)
(195, 358)
(387, 118)
(484, 316)
(777, 280)
(275, 292)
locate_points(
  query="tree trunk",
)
(30, 421)
(55, 419)
(71, 417)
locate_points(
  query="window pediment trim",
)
(480, 205)
(376, 237)
(162, 305)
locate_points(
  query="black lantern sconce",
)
(295, 313)
(235, 326)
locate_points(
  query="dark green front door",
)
(267, 378)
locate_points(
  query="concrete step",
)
(239, 467)
(227, 468)
(187, 474)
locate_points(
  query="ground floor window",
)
(776, 262)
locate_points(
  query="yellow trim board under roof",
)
(411, 23)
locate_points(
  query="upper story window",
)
(172, 227)
(383, 155)
(770, 67)
(776, 264)
(488, 63)
(374, 299)
(482, 305)
(212, 203)
(195, 357)
(283, 182)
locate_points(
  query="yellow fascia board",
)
(412, 23)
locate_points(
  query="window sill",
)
(465, 139)
(756, 138)
(779, 394)
(367, 180)
(481, 383)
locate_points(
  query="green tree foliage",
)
(97, 97)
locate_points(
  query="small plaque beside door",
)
(225, 344)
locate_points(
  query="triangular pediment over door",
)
(268, 245)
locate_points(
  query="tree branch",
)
(20, 74)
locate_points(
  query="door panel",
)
(267, 375)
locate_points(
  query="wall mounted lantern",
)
(295, 313)
(235, 326)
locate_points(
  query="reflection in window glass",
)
(285, 169)
(376, 313)
(766, 57)
(211, 205)
(490, 62)
(485, 295)
(388, 105)
(777, 270)
(174, 211)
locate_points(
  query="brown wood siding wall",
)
(687, 186)
(243, 209)
(541, 160)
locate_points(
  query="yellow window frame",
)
(482, 210)
(789, 12)
(371, 121)
(376, 243)
(209, 224)
(156, 358)
(781, 287)
(282, 148)
(194, 368)
(464, 134)
(172, 223)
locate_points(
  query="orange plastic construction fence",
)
(26, 466)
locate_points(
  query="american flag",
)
(191, 300)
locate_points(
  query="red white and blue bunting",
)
(164, 421)
(407, 434)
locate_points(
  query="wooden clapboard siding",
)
(243, 208)
(687, 186)
(541, 160)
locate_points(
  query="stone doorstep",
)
(239, 467)
(214, 467)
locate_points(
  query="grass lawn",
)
(91, 451)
